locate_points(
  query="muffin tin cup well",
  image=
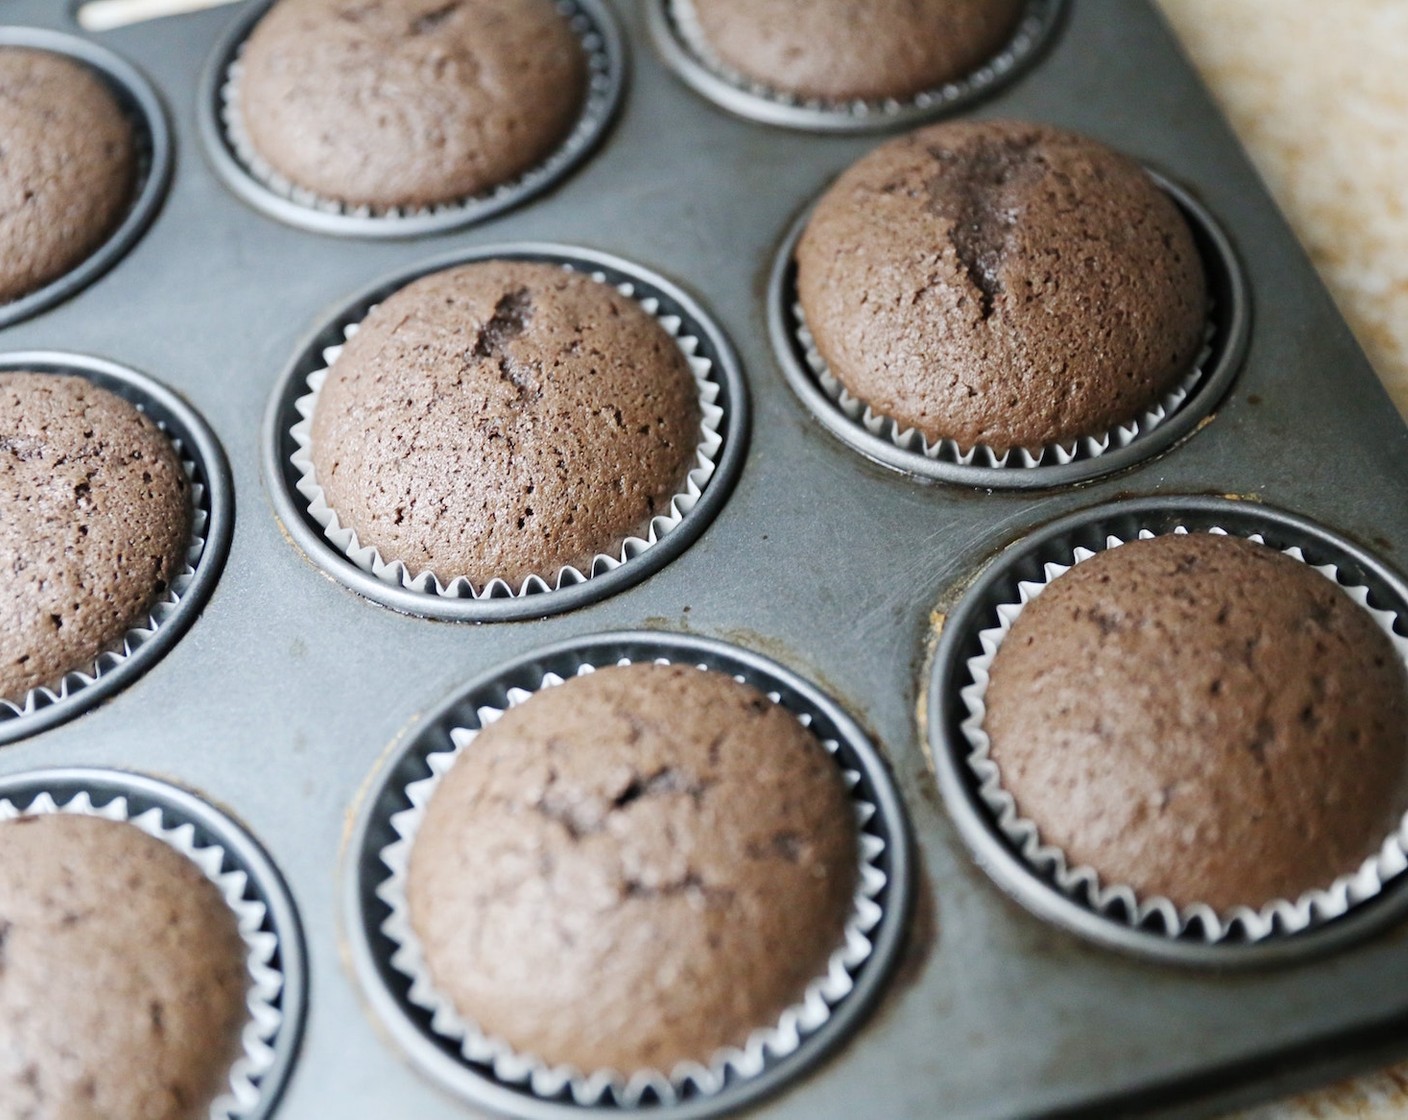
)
(1360, 901)
(461, 587)
(1177, 414)
(588, 1089)
(250, 885)
(1279, 917)
(483, 1071)
(152, 134)
(674, 29)
(77, 678)
(246, 174)
(212, 518)
(314, 525)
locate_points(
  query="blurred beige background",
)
(1318, 92)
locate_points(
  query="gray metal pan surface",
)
(284, 693)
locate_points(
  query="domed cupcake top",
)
(125, 974)
(69, 168)
(1002, 284)
(95, 519)
(839, 50)
(409, 103)
(635, 868)
(1202, 718)
(504, 418)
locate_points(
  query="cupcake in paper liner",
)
(999, 293)
(906, 58)
(139, 979)
(636, 885)
(506, 428)
(61, 113)
(416, 107)
(105, 528)
(1196, 734)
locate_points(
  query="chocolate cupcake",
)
(409, 103)
(634, 869)
(69, 169)
(95, 518)
(1203, 719)
(838, 50)
(1002, 285)
(501, 420)
(125, 974)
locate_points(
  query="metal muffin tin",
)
(364, 871)
(286, 690)
(199, 446)
(594, 23)
(152, 137)
(242, 853)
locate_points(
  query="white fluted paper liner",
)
(243, 1094)
(596, 107)
(1119, 902)
(1025, 37)
(948, 450)
(110, 658)
(369, 558)
(593, 1087)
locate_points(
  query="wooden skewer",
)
(104, 15)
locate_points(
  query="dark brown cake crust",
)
(1203, 718)
(634, 868)
(68, 171)
(1003, 284)
(124, 979)
(841, 50)
(409, 103)
(95, 517)
(502, 419)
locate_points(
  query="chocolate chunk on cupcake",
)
(123, 989)
(68, 170)
(839, 50)
(634, 869)
(409, 103)
(1202, 718)
(1002, 284)
(503, 419)
(95, 519)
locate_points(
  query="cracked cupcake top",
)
(1204, 718)
(842, 50)
(124, 978)
(1003, 284)
(409, 103)
(68, 167)
(635, 868)
(95, 517)
(503, 419)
